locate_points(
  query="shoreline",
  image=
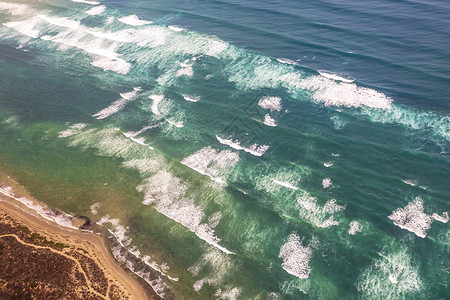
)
(89, 242)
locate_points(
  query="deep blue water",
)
(241, 149)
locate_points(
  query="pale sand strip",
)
(93, 244)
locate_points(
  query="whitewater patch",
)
(269, 121)
(285, 184)
(412, 218)
(119, 232)
(410, 182)
(59, 21)
(96, 10)
(176, 28)
(72, 130)
(178, 124)
(217, 263)
(15, 9)
(229, 293)
(87, 2)
(141, 141)
(326, 183)
(166, 192)
(156, 100)
(55, 216)
(255, 71)
(271, 103)
(186, 70)
(104, 55)
(211, 162)
(393, 276)
(191, 98)
(335, 76)
(133, 20)
(287, 61)
(355, 227)
(94, 208)
(296, 257)
(321, 216)
(26, 27)
(117, 105)
(438, 125)
(255, 149)
(444, 218)
(332, 93)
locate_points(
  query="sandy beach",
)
(84, 253)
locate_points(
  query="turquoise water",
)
(240, 149)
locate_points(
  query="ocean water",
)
(240, 149)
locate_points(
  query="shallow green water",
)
(231, 174)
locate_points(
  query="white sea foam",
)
(120, 233)
(332, 93)
(296, 257)
(211, 162)
(96, 10)
(327, 164)
(73, 129)
(191, 98)
(329, 222)
(230, 293)
(179, 124)
(59, 218)
(269, 121)
(410, 182)
(26, 27)
(335, 76)
(217, 263)
(285, 184)
(444, 218)
(214, 219)
(132, 136)
(117, 65)
(255, 149)
(113, 108)
(104, 55)
(132, 94)
(316, 214)
(331, 207)
(176, 28)
(186, 70)
(392, 276)
(156, 100)
(87, 2)
(355, 227)
(134, 20)
(338, 122)
(326, 182)
(59, 21)
(94, 208)
(15, 9)
(437, 124)
(272, 103)
(287, 61)
(412, 218)
(140, 141)
(166, 193)
(117, 105)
